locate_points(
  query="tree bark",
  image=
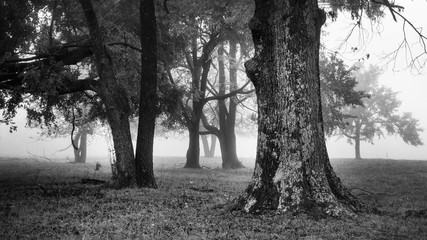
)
(148, 97)
(193, 151)
(292, 171)
(114, 97)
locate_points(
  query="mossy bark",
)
(292, 171)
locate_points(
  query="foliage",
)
(357, 8)
(189, 204)
(337, 85)
(379, 115)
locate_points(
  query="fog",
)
(410, 84)
(24, 143)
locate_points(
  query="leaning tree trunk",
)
(147, 97)
(292, 171)
(113, 96)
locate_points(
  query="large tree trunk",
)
(114, 97)
(292, 171)
(193, 152)
(147, 98)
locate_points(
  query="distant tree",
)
(337, 86)
(378, 115)
(199, 32)
(226, 110)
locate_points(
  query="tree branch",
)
(230, 94)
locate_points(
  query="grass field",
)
(46, 200)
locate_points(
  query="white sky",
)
(379, 40)
(411, 87)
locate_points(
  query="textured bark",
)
(148, 97)
(114, 97)
(292, 171)
(193, 151)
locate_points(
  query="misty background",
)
(376, 39)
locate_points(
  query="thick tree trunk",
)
(114, 97)
(209, 149)
(193, 151)
(229, 154)
(147, 98)
(292, 171)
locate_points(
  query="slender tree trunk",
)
(292, 171)
(226, 137)
(232, 160)
(114, 97)
(148, 97)
(357, 139)
(209, 149)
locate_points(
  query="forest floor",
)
(42, 199)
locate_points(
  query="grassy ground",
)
(46, 200)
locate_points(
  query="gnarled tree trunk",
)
(292, 171)
(114, 97)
